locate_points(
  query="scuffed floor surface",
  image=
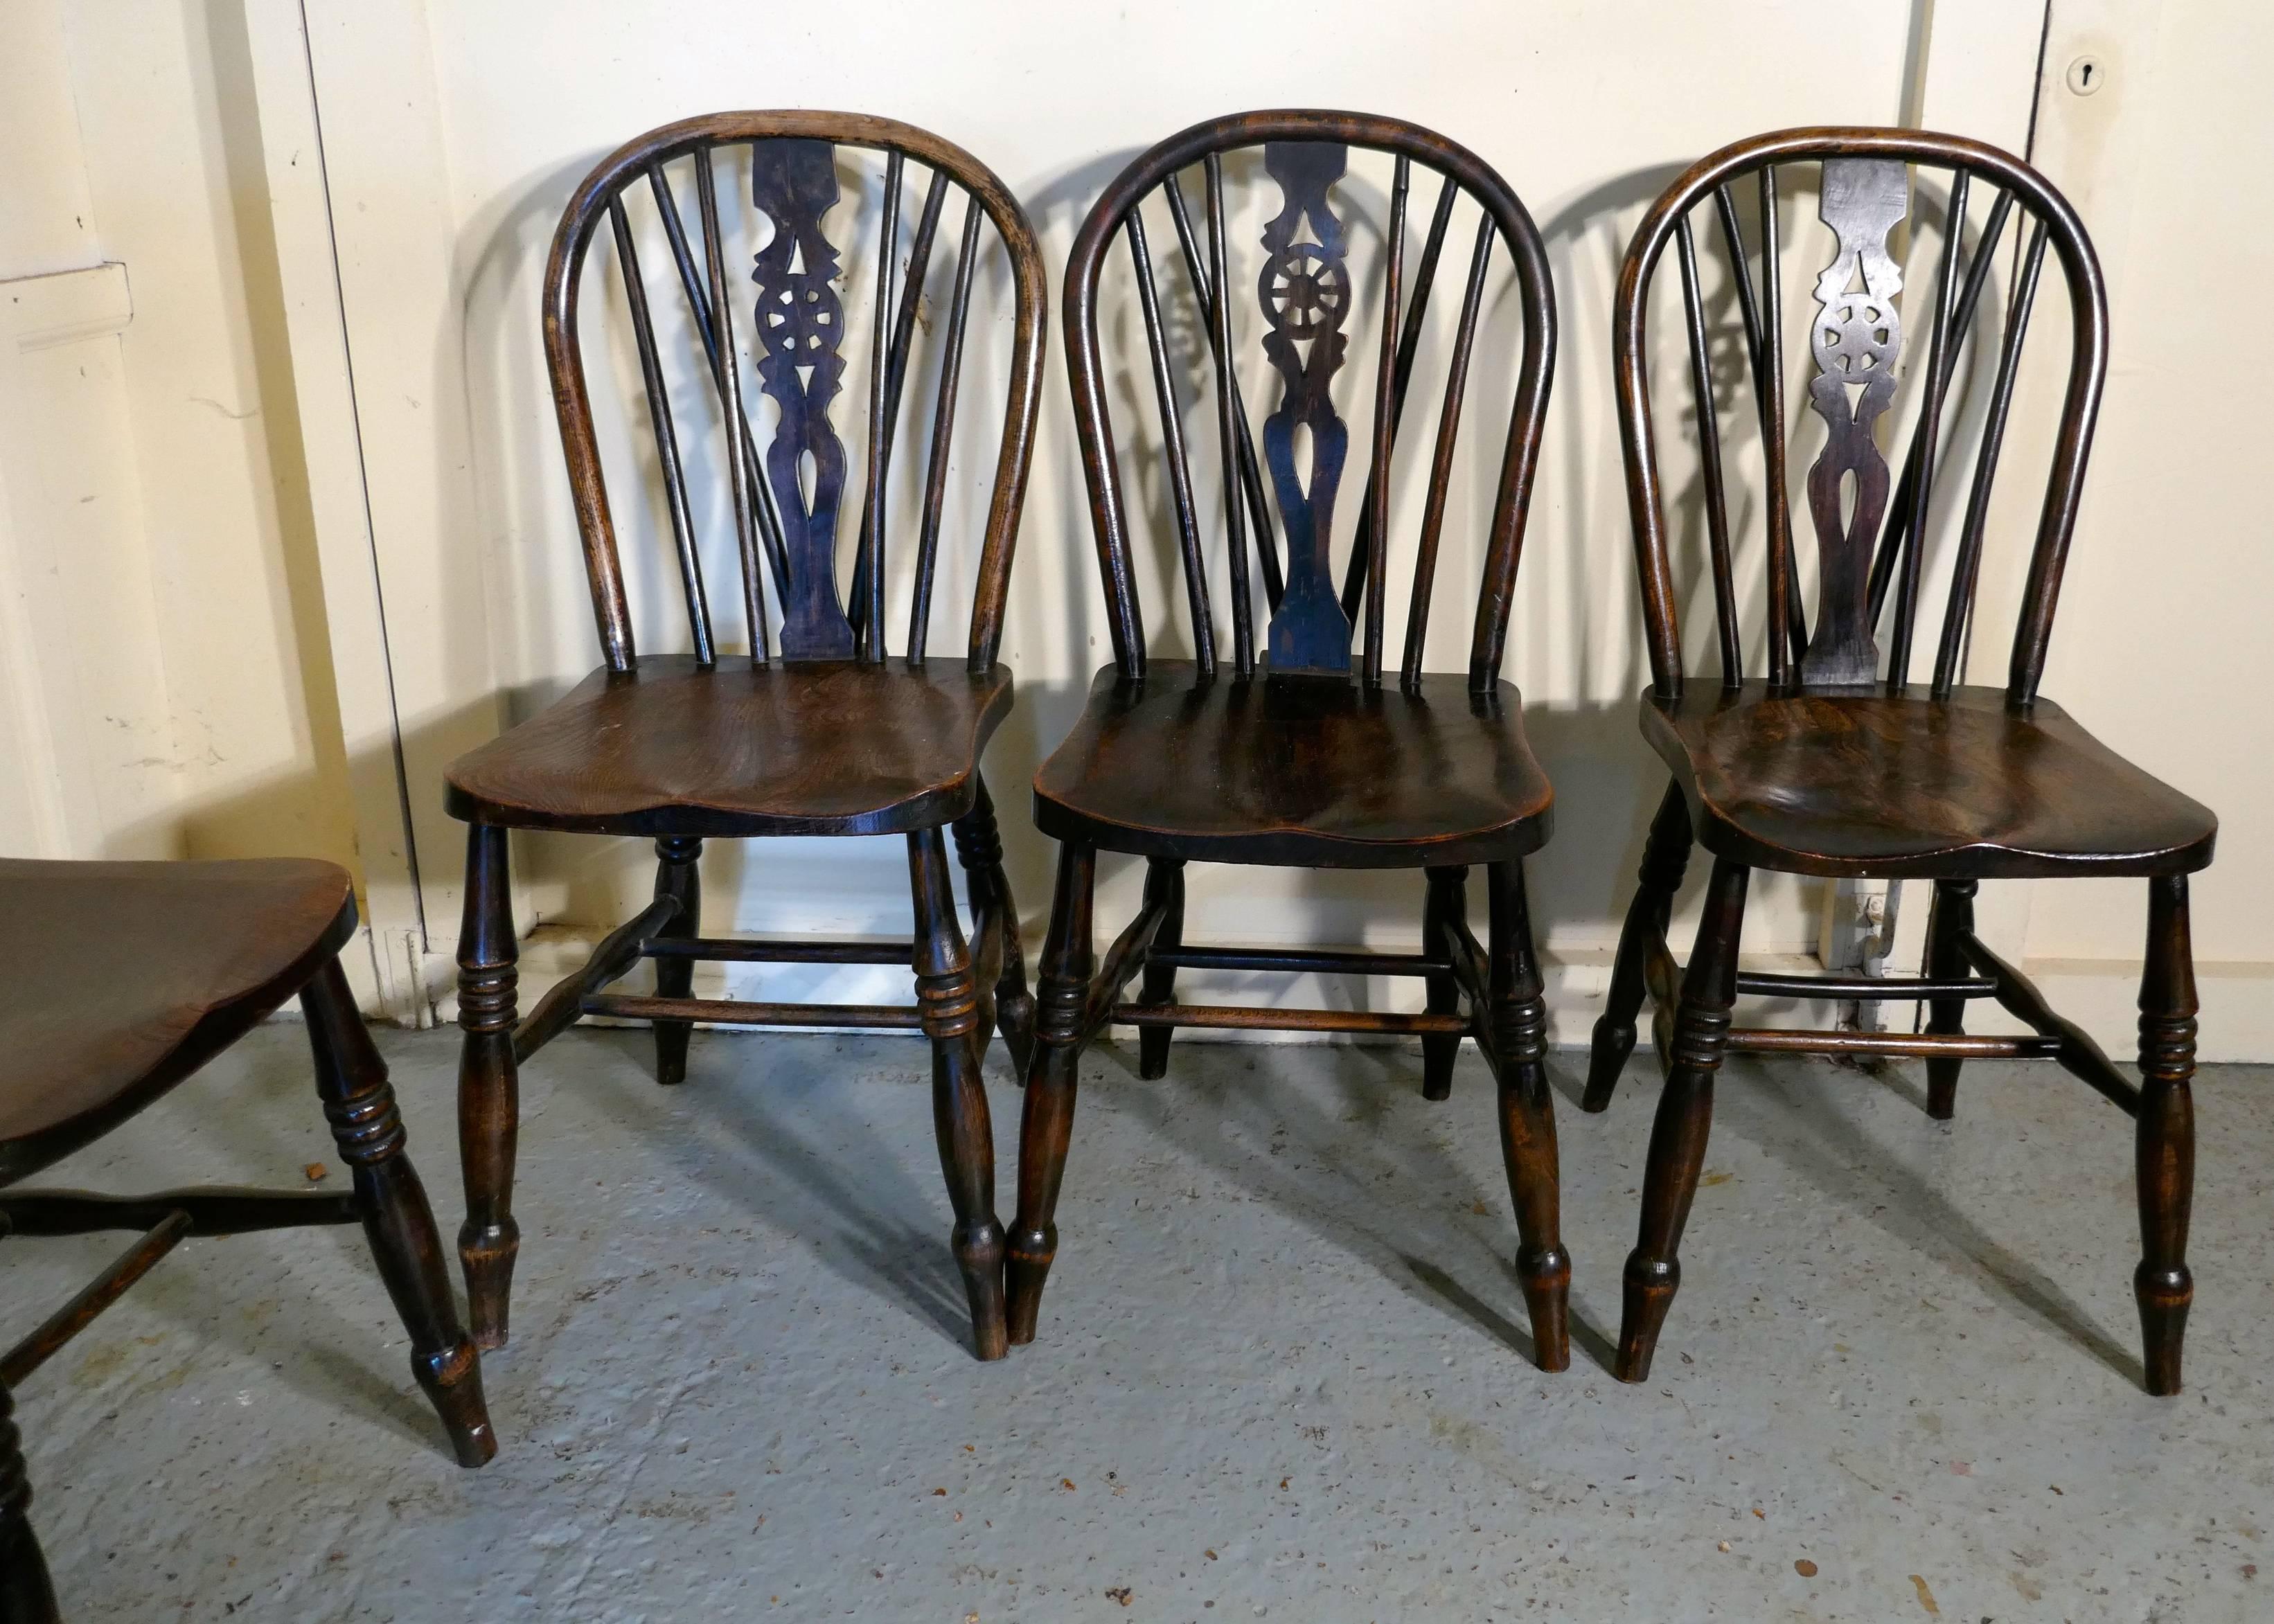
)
(1281, 1372)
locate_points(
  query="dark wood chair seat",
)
(1898, 786)
(1302, 771)
(672, 747)
(214, 947)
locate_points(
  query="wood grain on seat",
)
(1299, 770)
(1899, 787)
(123, 978)
(670, 747)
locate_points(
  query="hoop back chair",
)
(816, 729)
(125, 979)
(1306, 747)
(1837, 763)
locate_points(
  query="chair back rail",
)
(1870, 539)
(787, 495)
(1307, 293)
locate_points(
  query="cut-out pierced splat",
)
(801, 322)
(1857, 338)
(1305, 291)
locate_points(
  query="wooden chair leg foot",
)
(1665, 859)
(948, 997)
(452, 1380)
(1517, 1020)
(368, 1127)
(1942, 1089)
(26, 1594)
(489, 1086)
(1685, 1117)
(1046, 1118)
(2164, 1139)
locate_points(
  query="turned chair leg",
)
(489, 1089)
(2165, 1146)
(676, 875)
(359, 1104)
(1953, 918)
(26, 1594)
(1685, 1114)
(994, 926)
(1447, 905)
(1518, 1023)
(1164, 882)
(1046, 1121)
(1665, 858)
(947, 997)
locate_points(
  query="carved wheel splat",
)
(801, 322)
(1305, 288)
(1857, 339)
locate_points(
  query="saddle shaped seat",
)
(1297, 771)
(673, 747)
(1893, 787)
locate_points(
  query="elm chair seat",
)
(1318, 774)
(1896, 787)
(213, 947)
(671, 748)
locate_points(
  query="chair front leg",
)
(1953, 918)
(947, 998)
(1046, 1121)
(359, 1104)
(994, 926)
(677, 874)
(1518, 1024)
(1447, 905)
(1686, 1114)
(2165, 1145)
(489, 1086)
(1164, 883)
(26, 1594)
(1665, 859)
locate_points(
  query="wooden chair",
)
(1295, 752)
(828, 735)
(1837, 764)
(123, 978)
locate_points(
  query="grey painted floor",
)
(1281, 1374)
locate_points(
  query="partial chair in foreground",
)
(123, 979)
(1838, 764)
(1295, 747)
(812, 728)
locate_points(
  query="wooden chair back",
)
(1871, 543)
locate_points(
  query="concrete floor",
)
(1282, 1371)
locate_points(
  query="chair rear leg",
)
(1527, 1117)
(1046, 1123)
(1665, 859)
(359, 1104)
(1448, 902)
(26, 1594)
(947, 996)
(676, 875)
(1164, 881)
(995, 923)
(1686, 1114)
(489, 1085)
(2165, 1146)
(1953, 918)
